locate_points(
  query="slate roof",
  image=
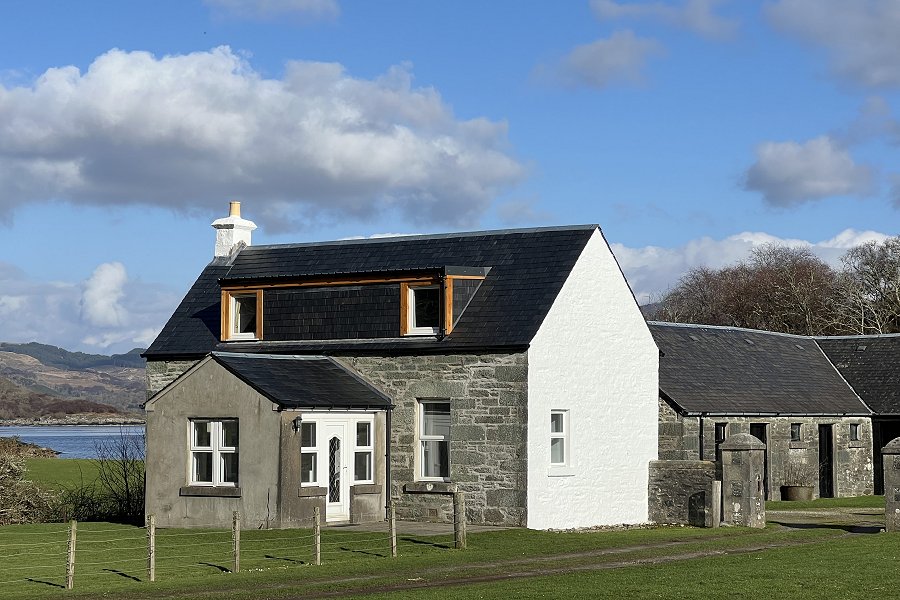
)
(527, 269)
(871, 364)
(303, 381)
(733, 371)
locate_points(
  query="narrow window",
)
(434, 437)
(559, 434)
(795, 432)
(424, 310)
(309, 457)
(362, 459)
(721, 431)
(214, 452)
(854, 432)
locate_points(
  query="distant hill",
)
(17, 402)
(53, 356)
(650, 311)
(117, 380)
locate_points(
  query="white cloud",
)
(80, 315)
(694, 15)
(271, 9)
(652, 270)
(187, 132)
(620, 58)
(790, 173)
(102, 296)
(860, 37)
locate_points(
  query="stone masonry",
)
(680, 439)
(683, 492)
(489, 402)
(488, 432)
(161, 373)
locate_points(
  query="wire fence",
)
(61, 556)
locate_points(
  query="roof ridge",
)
(426, 236)
(730, 328)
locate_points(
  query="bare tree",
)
(871, 288)
(120, 468)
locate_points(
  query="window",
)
(214, 452)
(854, 432)
(423, 310)
(434, 437)
(362, 458)
(721, 432)
(309, 457)
(242, 315)
(795, 432)
(559, 434)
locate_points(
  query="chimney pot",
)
(234, 209)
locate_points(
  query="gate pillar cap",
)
(893, 447)
(743, 441)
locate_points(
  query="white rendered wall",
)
(593, 356)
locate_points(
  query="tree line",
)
(790, 290)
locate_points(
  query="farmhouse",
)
(514, 366)
(716, 382)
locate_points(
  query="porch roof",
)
(304, 381)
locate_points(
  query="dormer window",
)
(423, 310)
(242, 315)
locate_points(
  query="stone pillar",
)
(891, 462)
(743, 498)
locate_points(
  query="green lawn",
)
(60, 472)
(826, 503)
(111, 559)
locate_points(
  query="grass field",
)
(825, 503)
(111, 562)
(60, 472)
(801, 561)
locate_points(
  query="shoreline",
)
(68, 420)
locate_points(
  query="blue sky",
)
(689, 130)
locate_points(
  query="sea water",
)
(76, 441)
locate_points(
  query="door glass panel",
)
(334, 470)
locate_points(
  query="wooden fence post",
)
(392, 523)
(236, 541)
(317, 533)
(151, 547)
(459, 520)
(70, 559)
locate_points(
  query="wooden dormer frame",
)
(228, 296)
(447, 323)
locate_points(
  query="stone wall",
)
(681, 492)
(680, 438)
(161, 373)
(488, 433)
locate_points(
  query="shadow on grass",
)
(425, 543)
(122, 574)
(366, 552)
(219, 567)
(295, 561)
(848, 527)
(50, 583)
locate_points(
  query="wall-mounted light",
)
(297, 422)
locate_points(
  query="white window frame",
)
(366, 449)
(854, 427)
(216, 448)
(310, 451)
(420, 471)
(564, 468)
(412, 328)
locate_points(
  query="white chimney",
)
(232, 230)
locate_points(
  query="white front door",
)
(337, 473)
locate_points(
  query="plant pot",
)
(796, 492)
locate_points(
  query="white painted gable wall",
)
(594, 356)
